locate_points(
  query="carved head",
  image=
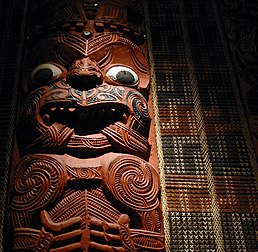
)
(86, 89)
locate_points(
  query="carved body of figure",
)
(84, 182)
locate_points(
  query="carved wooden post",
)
(84, 179)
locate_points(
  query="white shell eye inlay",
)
(123, 75)
(45, 72)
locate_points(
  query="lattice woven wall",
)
(208, 160)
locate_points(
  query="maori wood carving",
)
(85, 179)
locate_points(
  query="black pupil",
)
(125, 77)
(43, 75)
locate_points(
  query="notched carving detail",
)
(84, 173)
(32, 239)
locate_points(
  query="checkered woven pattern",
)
(208, 161)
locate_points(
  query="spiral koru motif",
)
(31, 104)
(39, 179)
(105, 93)
(139, 106)
(133, 182)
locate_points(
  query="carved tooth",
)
(53, 109)
(71, 109)
(113, 109)
(124, 118)
(61, 108)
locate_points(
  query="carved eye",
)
(123, 75)
(45, 73)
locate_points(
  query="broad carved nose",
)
(84, 74)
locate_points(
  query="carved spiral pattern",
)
(105, 93)
(139, 106)
(31, 104)
(133, 182)
(57, 92)
(39, 180)
(28, 119)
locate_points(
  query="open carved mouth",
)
(84, 120)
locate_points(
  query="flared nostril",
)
(84, 74)
(84, 82)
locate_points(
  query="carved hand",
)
(113, 237)
(97, 234)
(63, 232)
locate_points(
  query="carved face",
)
(84, 93)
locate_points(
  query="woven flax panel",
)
(210, 182)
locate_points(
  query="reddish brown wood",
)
(84, 180)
